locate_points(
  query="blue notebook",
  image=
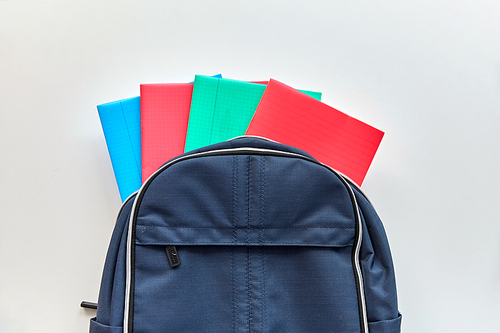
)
(121, 124)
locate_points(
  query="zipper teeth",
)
(226, 151)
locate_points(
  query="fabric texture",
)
(265, 237)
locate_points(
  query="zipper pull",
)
(173, 256)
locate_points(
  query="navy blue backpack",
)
(247, 235)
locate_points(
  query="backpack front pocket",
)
(263, 288)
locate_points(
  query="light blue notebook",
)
(121, 124)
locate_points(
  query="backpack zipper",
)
(173, 256)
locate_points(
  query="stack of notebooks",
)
(168, 119)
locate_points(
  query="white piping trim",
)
(214, 152)
(128, 271)
(357, 251)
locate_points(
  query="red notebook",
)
(332, 137)
(164, 120)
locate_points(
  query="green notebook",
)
(222, 109)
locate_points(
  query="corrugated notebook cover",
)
(222, 109)
(120, 122)
(164, 121)
(334, 138)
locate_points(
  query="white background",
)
(425, 72)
